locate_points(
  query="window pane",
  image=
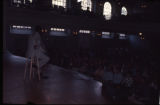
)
(14, 29)
(59, 3)
(86, 4)
(107, 11)
(124, 11)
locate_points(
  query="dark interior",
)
(140, 48)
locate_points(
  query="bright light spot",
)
(14, 26)
(86, 4)
(140, 33)
(21, 27)
(124, 11)
(59, 3)
(84, 31)
(79, 0)
(107, 11)
(17, 1)
(106, 33)
(30, 1)
(122, 35)
(57, 29)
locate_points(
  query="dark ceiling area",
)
(143, 15)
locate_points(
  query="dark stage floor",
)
(57, 86)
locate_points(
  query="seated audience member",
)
(113, 82)
(107, 75)
(133, 99)
(126, 89)
(127, 80)
(134, 70)
(142, 90)
(98, 73)
(117, 77)
(154, 92)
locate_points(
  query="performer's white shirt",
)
(31, 51)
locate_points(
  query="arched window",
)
(86, 4)
(107, 10)
(124, 11)
(79, 0)
(59, 3)
(27, 1)
(20, 3)
(30, 1)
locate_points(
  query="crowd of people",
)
(124, 73)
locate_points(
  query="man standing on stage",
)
(36, 48)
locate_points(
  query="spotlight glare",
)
(140, 33)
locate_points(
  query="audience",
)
(125, 75)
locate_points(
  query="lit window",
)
(84, 31)
(27, 1)
(124, 11)
(57, 32)
(107, 11)
(122, 36)
(30, 1)
(58, 29)
(21, 27)
(14, 26)
(79, 0)
(18, 26)
(106, 35)
(15, 29)
(86, 4)
(59, 3)
(17, 1)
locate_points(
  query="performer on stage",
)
(36, 48)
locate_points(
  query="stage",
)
(57, 85)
